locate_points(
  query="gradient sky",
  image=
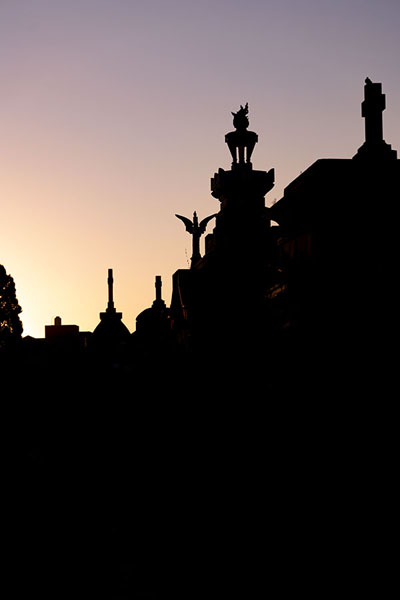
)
(113, 115)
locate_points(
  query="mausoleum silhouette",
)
(308, 286)
(261, 294)
(158, 459)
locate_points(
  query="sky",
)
(112, 120)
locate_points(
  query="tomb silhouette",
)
(130, 480)
(322, 279)
(337, 249)
(218, 305)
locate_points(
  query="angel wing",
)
(203, 223)
(188, 223)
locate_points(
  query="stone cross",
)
(372, 110)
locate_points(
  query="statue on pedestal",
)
(196, 229)
(241, 139)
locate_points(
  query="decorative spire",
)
(111, 329)
(241, 142)
(110, 282)
(110, 312)
(158, 302)
(158, 288)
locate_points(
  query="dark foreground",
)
(172, 484)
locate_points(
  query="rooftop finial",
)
(372, 108)
(158, 288)
(241, 142)
(110, 329)
(110, 281)
(240, 120)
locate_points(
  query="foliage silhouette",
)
(10, 323)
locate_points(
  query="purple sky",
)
(113, 115)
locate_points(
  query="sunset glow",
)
(113, 116)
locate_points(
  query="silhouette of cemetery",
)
(260, 292)
(113, 483)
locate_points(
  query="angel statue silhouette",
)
(196, 230)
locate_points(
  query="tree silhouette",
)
(10, 323)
